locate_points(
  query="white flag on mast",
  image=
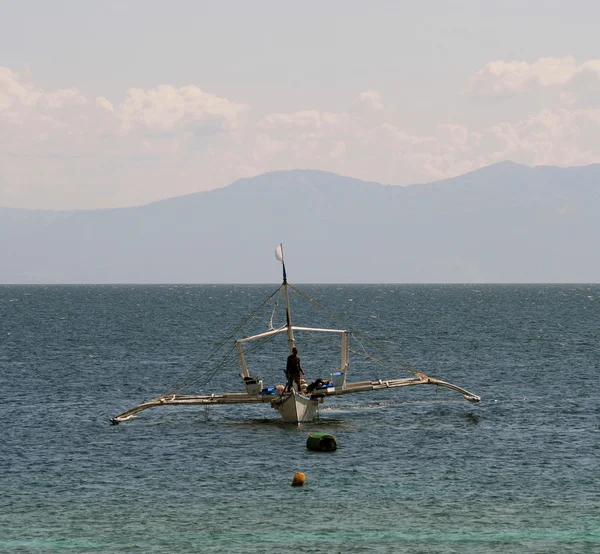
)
(279, 252)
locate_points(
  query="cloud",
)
(561, 137)
(369, 101)
(352, 142)
(63, 149)
(13, 91)
(507, 77)
(306, 124)
(166, 108)
(384, 152)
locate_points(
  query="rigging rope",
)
(403, 365)
(271, 328)
(187, 380)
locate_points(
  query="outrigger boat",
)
(295, 406)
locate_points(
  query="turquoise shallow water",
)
(415, 471)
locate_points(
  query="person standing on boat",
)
(293, 369)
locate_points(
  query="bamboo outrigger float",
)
(295, 406)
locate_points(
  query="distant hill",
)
(503, 223)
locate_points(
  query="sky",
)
(123, 102)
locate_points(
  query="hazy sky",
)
(111, 103)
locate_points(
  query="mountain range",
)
(505, 223)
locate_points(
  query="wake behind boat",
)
(299, 402)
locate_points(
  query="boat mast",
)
(288, 313)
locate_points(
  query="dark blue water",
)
(416, 470)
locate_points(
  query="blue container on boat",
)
(338, 378)
(268, 390)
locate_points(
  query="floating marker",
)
(298, 480)
(321, 442)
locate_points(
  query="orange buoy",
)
(298, 480)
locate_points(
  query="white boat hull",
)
(296, 408)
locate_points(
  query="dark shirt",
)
(293, 366)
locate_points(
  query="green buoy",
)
(321, 442)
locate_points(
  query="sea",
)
(416, 470)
